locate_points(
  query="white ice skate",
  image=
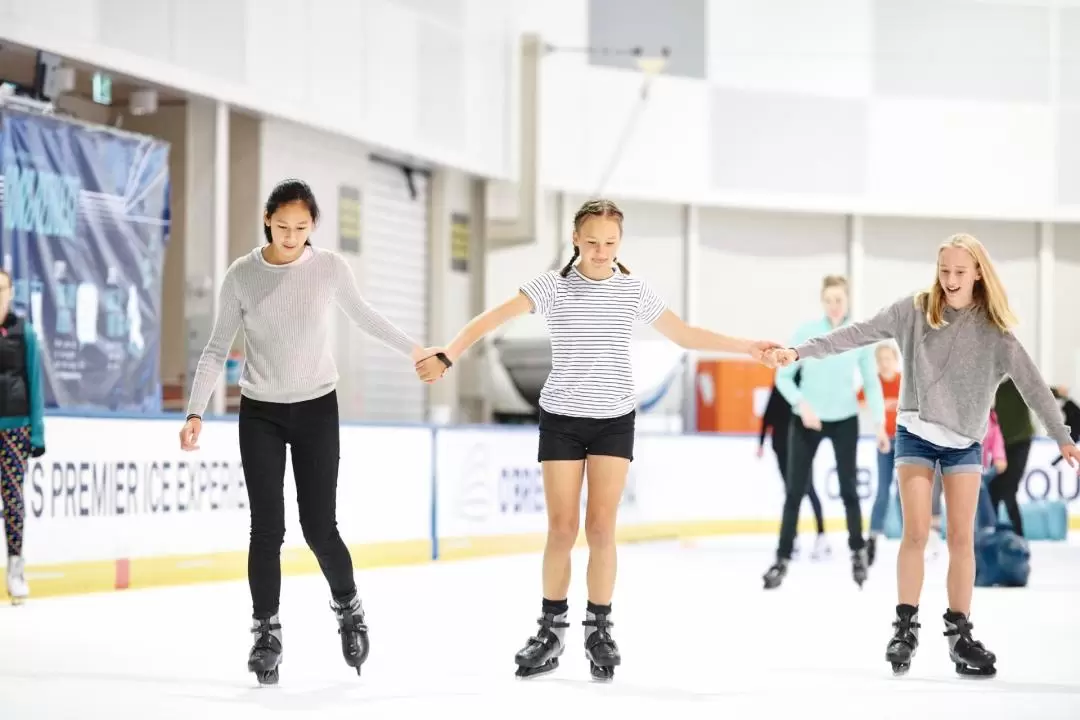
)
(822, 549)
(17, 588)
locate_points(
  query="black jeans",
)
(803, 444)
(311, 430)
(1004, 487)
(780, 449)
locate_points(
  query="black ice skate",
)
(541, 653)
(353, 631)
(776, 574)
(265, 655)
(858, 567)
(600, 648)
(905, 641)
(971, 656)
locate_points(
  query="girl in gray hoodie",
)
(957, 346)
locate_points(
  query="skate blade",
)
(971, 673)
(526, 673)
(267, 678)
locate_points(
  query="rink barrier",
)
(115, 505)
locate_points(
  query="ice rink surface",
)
(699, 638)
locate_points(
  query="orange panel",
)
(725, 395)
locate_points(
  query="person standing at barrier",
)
(888, 364)
(587, 410)
(777, 418)
(22, 429)
(1018, 431)
(281, 294)
(826, 405)
(957, 345)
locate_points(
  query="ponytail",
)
(622, 268)
(566, 270)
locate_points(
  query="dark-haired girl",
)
(587, 416)
(281, 295)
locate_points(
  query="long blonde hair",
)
(988, 292)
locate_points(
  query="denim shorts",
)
(913, 450)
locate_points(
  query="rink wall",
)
(115, 504)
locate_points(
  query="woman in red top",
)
(888, 362)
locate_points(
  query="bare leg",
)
(607, 478)
(562, 496)
(915, 482)
(961, 501)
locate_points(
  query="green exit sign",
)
(102, 89)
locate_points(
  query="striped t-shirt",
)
(591, 323)
(285, 312)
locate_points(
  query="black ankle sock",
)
(907, 610)
(555, 607)
(598, 609)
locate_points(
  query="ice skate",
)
(905, 640)
(353, 631)
(265, 655)
(971, 657)
(600, 647)
(17, 588)
(541, 653)
(858, 567)
(776, 574)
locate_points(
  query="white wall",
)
(759, 274)
(426, 78)
(958, 109)
(1066, 367)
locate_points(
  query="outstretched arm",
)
(485, 323)
(1033, 389)
(882, 326)
(368, 318)
(696, 338)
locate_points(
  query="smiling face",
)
(598, 239)
(957, 275)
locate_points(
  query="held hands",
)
(779, 357)
(431, 363)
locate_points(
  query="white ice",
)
(699, 638)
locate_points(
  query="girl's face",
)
(598, 241)
(834, 300)
(957, 275)
(888, 361)
(290, 226)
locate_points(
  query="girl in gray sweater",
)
(957, 346)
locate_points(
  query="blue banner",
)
(84, 213)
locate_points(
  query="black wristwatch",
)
(444, 360)
(194, 415)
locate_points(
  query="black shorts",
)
(572, 438)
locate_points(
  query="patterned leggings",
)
(14, 452)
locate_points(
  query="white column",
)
(1045, 314)
(442, 396)
(220, 237)
(855, 257)
(691, 237)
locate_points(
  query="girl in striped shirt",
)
(587, 416)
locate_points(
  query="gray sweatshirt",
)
(951, 374)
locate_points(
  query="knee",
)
(961, 539)
(599, 531)
(916, 537)
(267, 533)
(562, 532)
(319, 535)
